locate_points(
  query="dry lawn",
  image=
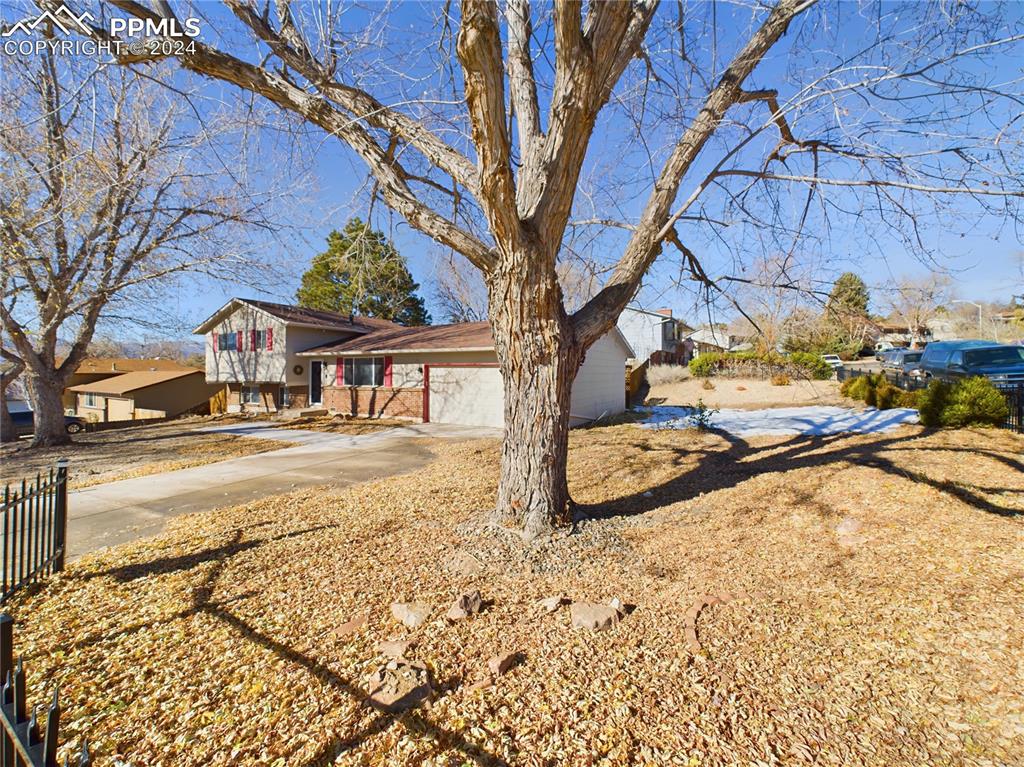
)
(745, 393)
(339, 424)
(107, 456)
(216, 643)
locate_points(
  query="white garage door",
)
(471, 396)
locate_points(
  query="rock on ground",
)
(595, 617)
(466, 604)
(400, 685)
(410, 614)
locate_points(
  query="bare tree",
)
(916, 300)
(104, 196)
(845, 132)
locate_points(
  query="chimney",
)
(665, 312)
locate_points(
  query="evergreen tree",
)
(362, 273)
(849, 297)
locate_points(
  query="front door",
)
(316, 383)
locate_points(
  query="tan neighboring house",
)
(272, 356)
(93, 369)
(143, 394)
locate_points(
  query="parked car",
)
(902, 360)
(24, 423)
(833, 360)
(950, 360)
(882, 348)
(1000, 363)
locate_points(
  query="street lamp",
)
(961, 301)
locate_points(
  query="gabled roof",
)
(129, 382)
(298, 316)
(461, 336)
(458, 337)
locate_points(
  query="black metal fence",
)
(1014, 393)
(35, 520)
(22, 742)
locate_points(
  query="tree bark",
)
(539, 358)
(48, 411)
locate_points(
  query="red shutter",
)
(339, 374)
(238, 340)
(214, 341)
(387, 372)
(252, 340)
(270, 339)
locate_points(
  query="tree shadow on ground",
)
(204, 603)
(722, 469)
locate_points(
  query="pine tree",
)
(849, 297)
(362, 273)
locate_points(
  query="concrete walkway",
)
(116, 512)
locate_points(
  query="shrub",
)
(932, 401)
(907, 399)
(780, 379)
(705, 365)
(857, 388)
(707, 384)
(813, 364)
(666, 374)
(974, 402)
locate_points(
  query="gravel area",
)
(745, 393)
(885, 575)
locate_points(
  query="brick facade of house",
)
(381, 400)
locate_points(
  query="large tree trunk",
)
(48, 410)
(6, 379)
(539, 358)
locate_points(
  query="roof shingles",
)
(458, 337)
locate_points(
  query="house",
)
(252, 349)
(98, 368)
(711, 338)
(142, 394)
(271, 356)
(655, 336)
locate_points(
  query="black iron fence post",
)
(60, 527)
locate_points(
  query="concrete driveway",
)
(116, 512)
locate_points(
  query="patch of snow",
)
(784, 421)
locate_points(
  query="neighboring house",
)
(711, 338)
(449, 374)
(94, 369)
(901, 334)
(273, 356)
(252, 349)
(655, 336)
(143, 394)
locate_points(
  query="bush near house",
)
(760, 365)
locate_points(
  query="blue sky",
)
(980, 253)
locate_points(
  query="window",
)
(91, 400)
(251, 395)
(259, 338)
(956, 358)
(364, 371)
(227, 341)
(1001, 355)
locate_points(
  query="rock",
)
(411, 614)
(352, 626)
(395, 648)
(464, 563)
(848, 526)
(618, 606)
(501, 663)
(551, 604)
(398, 686)
(595, 617)
(465, 605)
(481, 684)
(648, 494)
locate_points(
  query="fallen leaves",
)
(256, 635)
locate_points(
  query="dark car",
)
(936, 355)
(907, 361)
(24, 423)
(1001, 364)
